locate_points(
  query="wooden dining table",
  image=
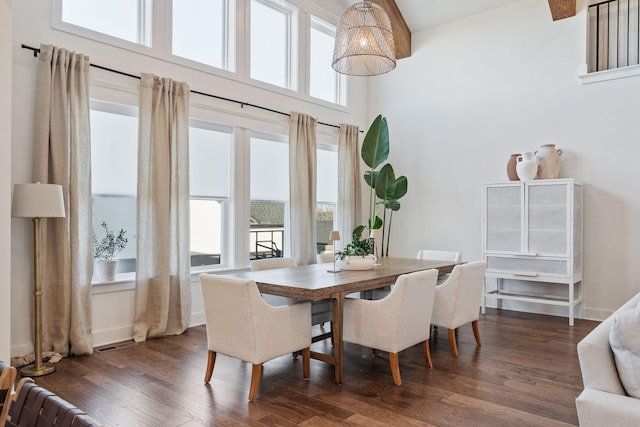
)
(316, 283)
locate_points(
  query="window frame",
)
(319, 24)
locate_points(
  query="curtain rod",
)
(36, 51)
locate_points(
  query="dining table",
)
(315, 282)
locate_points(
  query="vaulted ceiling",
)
(408, 16)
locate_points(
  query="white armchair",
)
(241, 324)
(604, 400)
(321, 311)
(396, 322)
(458, 300)
(437, 255)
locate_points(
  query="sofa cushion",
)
(625, 343)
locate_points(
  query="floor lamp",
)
(37, 201)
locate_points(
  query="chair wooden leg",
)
(306, 365)
(256, 372)
(452, 342)
(427, 353)
(476, 332)
(395, 368)
(210, 363)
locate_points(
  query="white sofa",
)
(604, 401)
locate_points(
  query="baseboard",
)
(581, 312)
(110, 336)
(21, 350)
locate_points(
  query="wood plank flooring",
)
(526, 373)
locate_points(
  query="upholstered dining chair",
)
(325, 257)
(437, 255)
(321, 311)
(396, 322)
(458, 301)
(241, 324)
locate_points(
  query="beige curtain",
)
(62, 156)
(163, 297)
(302, 187)
(349, 183)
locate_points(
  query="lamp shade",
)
(37, 201)
(334, 235)
(364, 41)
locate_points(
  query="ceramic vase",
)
(511, 167)
(548, 158)
(526, 167)
(357, 262)
(107, 270)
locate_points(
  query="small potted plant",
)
(106, 249)
(357, 254)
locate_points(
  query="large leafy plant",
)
(385, 189)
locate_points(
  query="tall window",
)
(269, 195)
(125, 19)
(324, 82)
(114, 165)
(327, 194)
(209, 160)
(274, 35)
(204, 31)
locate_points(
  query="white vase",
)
(548, 159)
(527, 167)
(356, 262)
(107, 270)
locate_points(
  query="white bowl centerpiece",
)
(357, 254)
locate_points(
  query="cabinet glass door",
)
(504, 218)
(548, 223)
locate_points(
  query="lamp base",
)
(32, 371)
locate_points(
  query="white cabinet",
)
(533, 232)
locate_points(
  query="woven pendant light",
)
(364, 41)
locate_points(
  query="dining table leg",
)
(337, 328)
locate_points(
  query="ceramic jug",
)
(511, 167)
(548, 158)
(527, 167)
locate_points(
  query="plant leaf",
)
(375, 146)
(370, 178)
(397, 188)
(385, 177)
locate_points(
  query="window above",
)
(274, 35)
(324, 82)
(204, 31)
(124, 19)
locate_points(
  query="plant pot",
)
(107, 270)
(356, 262)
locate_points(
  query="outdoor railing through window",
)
(613, 34)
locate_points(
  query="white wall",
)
(5, 178)
(478, 89)
(113, 305)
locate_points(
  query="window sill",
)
(606, 75)
(127, 281)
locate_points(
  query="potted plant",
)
(106, 249)
(385, 188)
(357, 254)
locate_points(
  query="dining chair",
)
(437, 255)
(396, 322)
(241, 324)
(325, 257)
(7, 380)
(321, 311)
(458, 301)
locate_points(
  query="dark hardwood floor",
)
(526, 373)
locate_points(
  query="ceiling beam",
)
(561, 9)
(401, 32)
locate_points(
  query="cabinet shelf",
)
(547, 245)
